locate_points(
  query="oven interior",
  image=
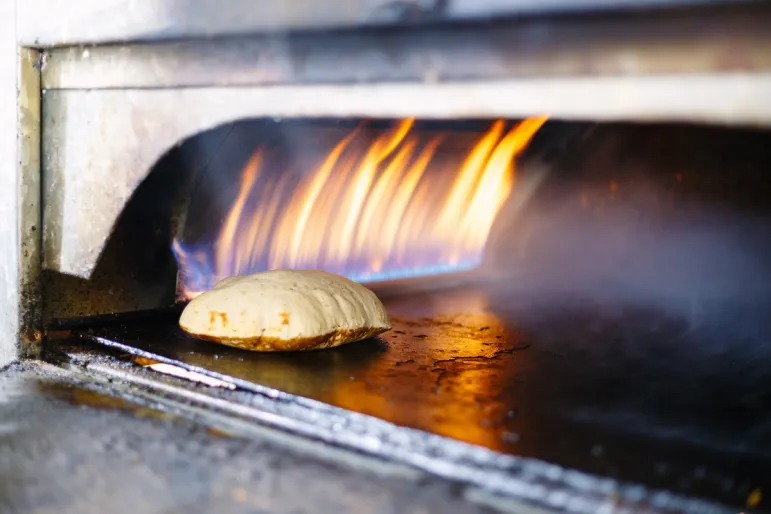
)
(613, 319)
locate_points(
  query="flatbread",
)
(285, 310)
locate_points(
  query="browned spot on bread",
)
(284, 318)
(213, 315)
(274, 344)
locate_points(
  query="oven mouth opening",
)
(665, 210)
(616, 324)
(376, 202)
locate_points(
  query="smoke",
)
(643, 212)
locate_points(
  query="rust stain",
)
(142, 361)
(57, 335)
(284, 318)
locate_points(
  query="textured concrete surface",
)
(64, 448)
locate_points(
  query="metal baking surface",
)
(651, 393)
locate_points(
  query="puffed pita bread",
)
(285, 310)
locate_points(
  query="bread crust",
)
(299, 344)
(285, 310)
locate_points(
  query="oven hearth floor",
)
(674, 396)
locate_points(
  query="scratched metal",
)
(659, 43)
(656, 394)
(48, 22)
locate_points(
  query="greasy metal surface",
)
(66, 446)
(509, 484)
(30, 208)
(681, 42)
(47, 22)
(654, 393)
(89, 184)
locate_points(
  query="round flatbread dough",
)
(285, 310)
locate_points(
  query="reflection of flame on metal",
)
(370, 212)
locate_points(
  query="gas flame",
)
(370, 212)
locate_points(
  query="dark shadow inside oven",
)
(619, 324)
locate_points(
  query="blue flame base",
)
(197, 275)
(422, 271)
